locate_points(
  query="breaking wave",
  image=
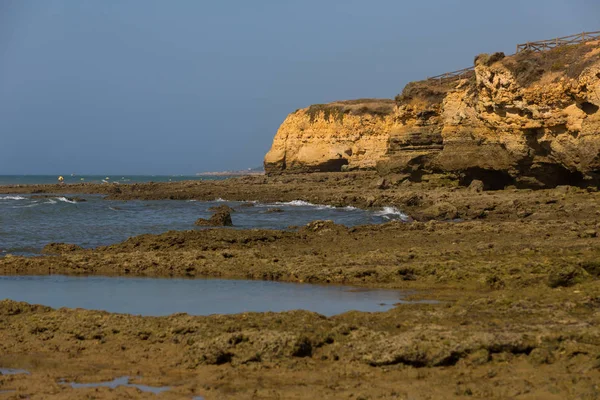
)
(64, 199)
(302, 203)
(12, 198)
(392, 213)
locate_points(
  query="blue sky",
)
(183, 86)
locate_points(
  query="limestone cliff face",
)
(328, 137)
(530, 120)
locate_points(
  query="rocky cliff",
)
(531, 120)
(327, 137)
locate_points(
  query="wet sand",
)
(516, 275)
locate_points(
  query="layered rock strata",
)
(332, 137)
(530, 120)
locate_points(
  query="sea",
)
(74, 178)
(29, 222)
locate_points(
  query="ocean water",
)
(160, 297)
(27, 223)
(51, 179)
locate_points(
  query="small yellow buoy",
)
(61, 179)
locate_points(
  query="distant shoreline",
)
(230, 173)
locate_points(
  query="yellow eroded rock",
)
(530, 119)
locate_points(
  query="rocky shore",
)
(515, 271)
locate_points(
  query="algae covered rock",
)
(441, 211)
(565, 276)
(59, 248)
(220, 218)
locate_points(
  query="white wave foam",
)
(64, 199)
(219, 199)
(12, 198)
(302, 203)
(50, 201)
(392, 213)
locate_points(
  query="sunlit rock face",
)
(331, 137)
(530, 120)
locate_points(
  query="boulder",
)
(476, 186)
(441, 211)
(220, 218)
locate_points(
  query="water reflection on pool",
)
(159, 297)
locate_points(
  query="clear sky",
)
(183, 86)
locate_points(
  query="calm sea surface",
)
(49, 179)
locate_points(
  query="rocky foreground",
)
(516, 273)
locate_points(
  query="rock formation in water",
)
(222, 217)
(530, 120)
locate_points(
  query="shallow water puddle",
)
(121, 381)
(12, 371)
(161, 297)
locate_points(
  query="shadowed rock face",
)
(530, 120)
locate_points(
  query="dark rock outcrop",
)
(220, 218)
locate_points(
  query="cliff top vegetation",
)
(337, 109)
(528, 68)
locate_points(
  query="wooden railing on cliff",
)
(544, 45)
(451, 76)
(539, 46)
